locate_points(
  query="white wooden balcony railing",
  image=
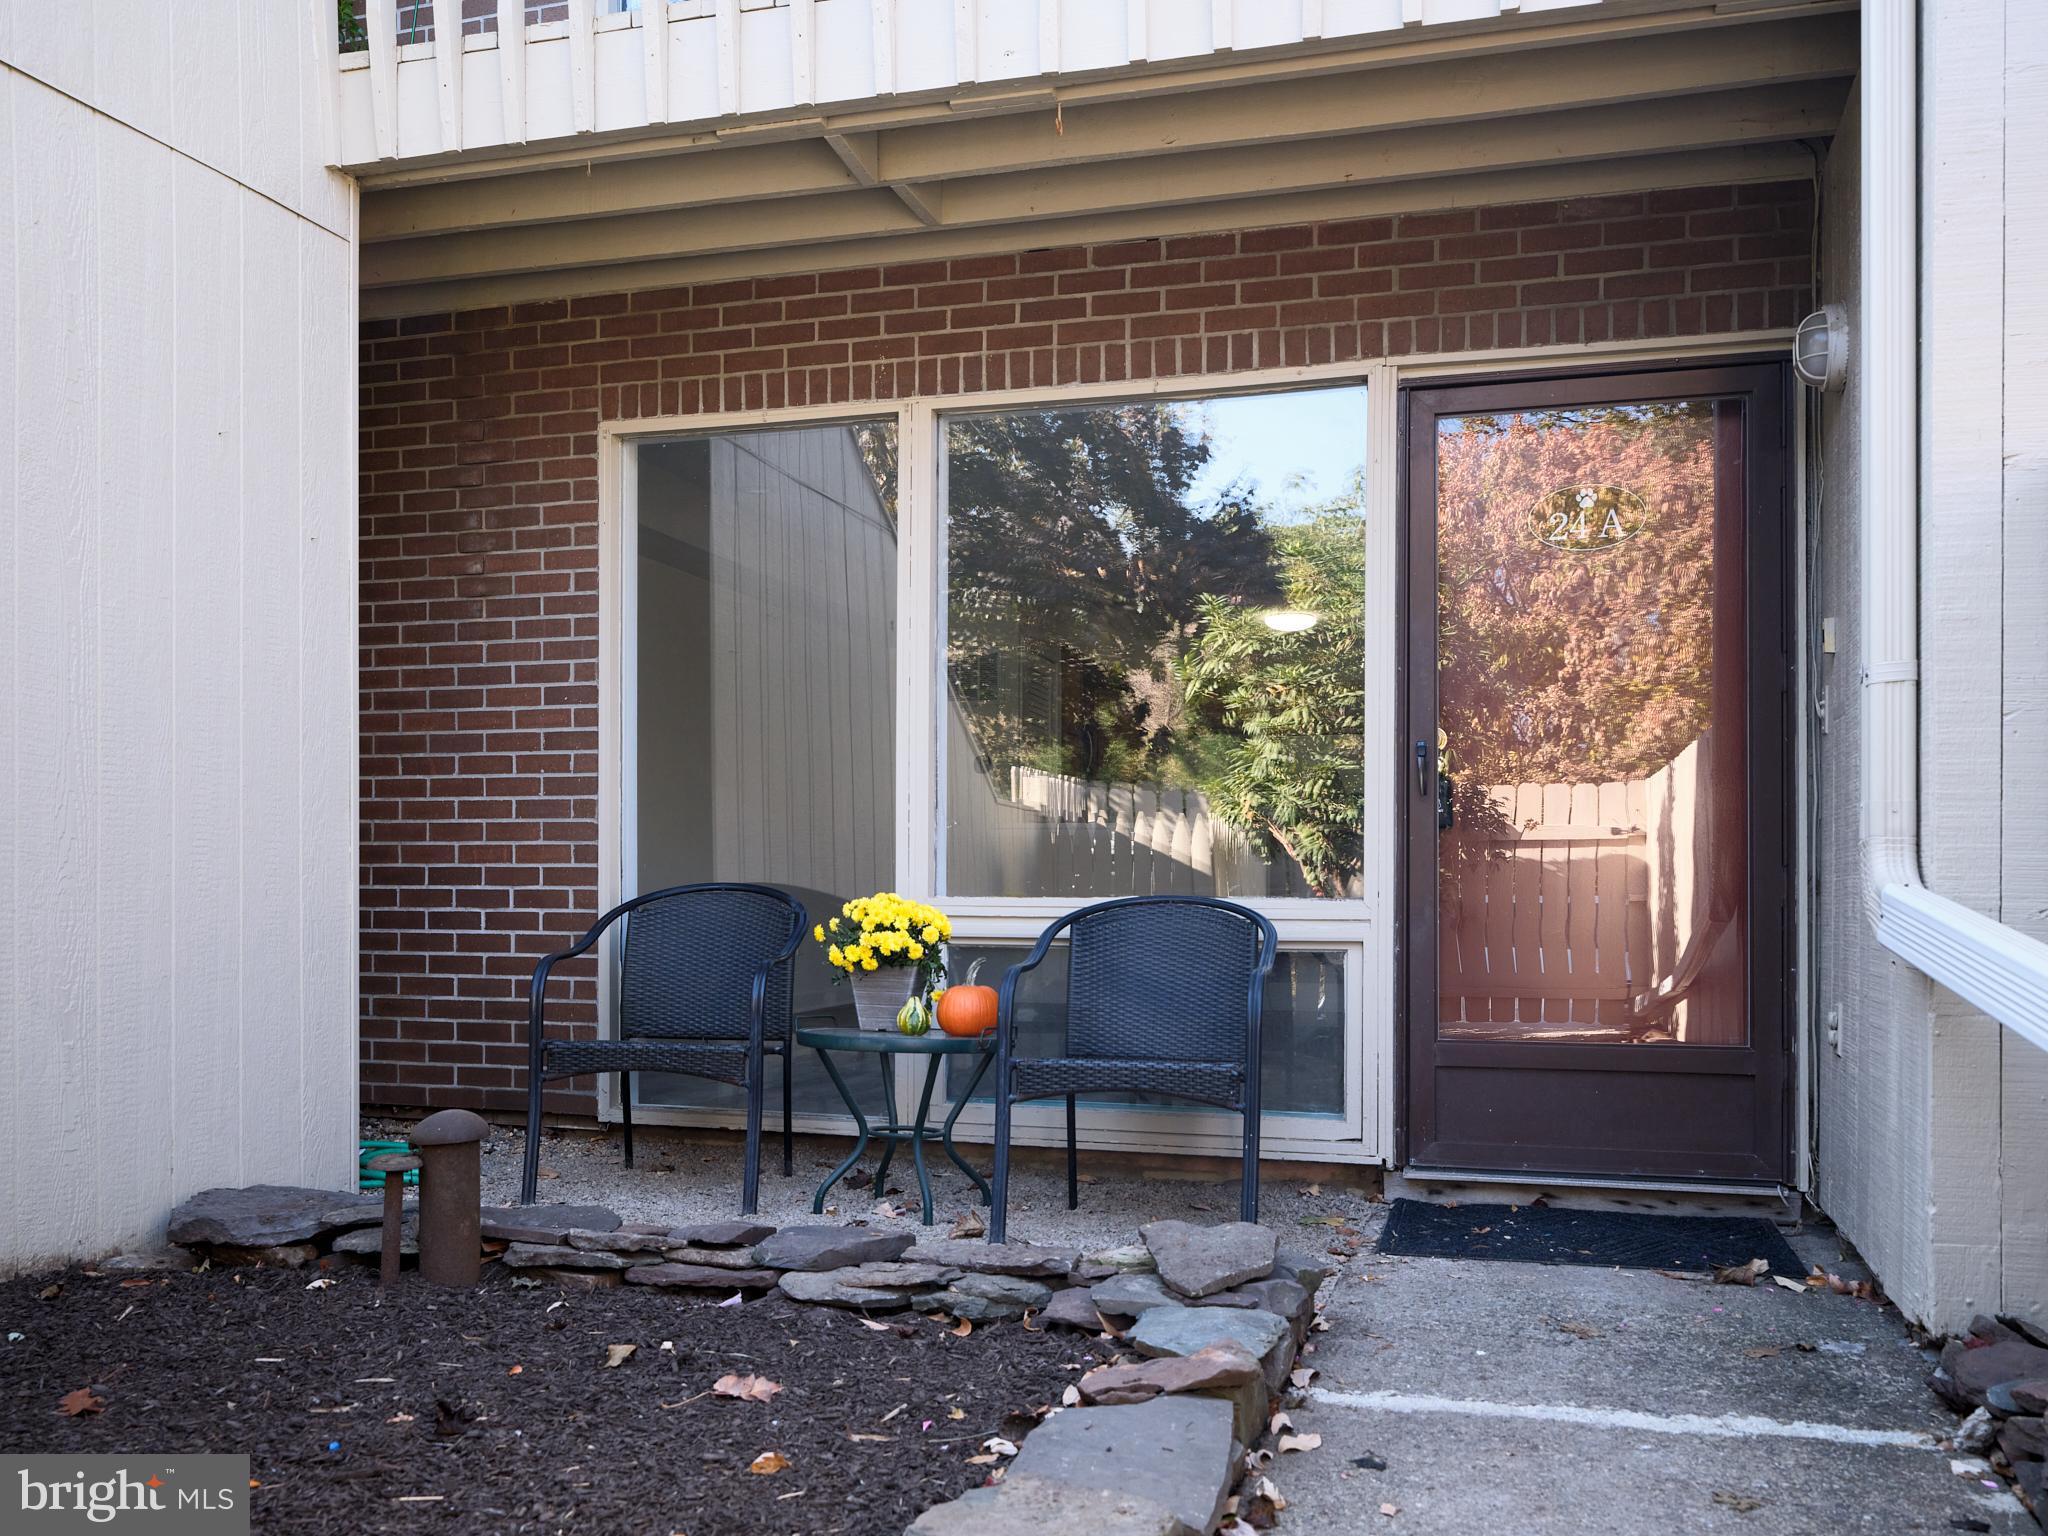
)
(609, 70)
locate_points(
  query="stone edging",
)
(1149, 1446)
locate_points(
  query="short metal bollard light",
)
(451, 1183)
(394, 1166)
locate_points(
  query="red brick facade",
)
(479, 510)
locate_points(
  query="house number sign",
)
(1583, 518)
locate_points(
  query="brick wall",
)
(479, 512)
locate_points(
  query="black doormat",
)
(1547, 1234)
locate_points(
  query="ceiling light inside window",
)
(1289, 621)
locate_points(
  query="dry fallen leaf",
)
(1741, 1274)
(1578, 1330)
(757, 1389)
(84, 1400)
(1260, 1505)
(1301, 1376)
(965, 1328)
(1791, 1285)
(1390, 1510)
(616, 1355)
(1760, 1352)
(1740, 1503)
(1306, 1442)
(970, 1224)
(956, 1413)
(1279, 1424)
(869, 1322)
(768, 1463)
(1071, 1398)
(515, 1370)
(49, 1293)
(1821, 1280)
(999, 1445)
(983, 1461)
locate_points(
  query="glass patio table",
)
(884, 1045)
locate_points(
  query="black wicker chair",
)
(704, 990)
(1162, 997)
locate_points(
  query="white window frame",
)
(1362, 927)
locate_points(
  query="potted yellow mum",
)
(889, 948)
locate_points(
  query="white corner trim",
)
(1992, 966)
(1987, 963)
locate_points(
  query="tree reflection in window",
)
(1158, 678)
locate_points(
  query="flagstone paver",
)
(1198, 1261)
(1183, 1330)
(270, 1215)
(822, 1248)
(1179, 1452)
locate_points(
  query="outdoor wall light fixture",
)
(1820, 348)
(1289, 621)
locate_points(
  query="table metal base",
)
(894, 1132)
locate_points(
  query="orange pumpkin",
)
(968, 1009)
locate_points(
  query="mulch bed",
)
(244, 1360)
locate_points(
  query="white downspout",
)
(1890, 445)
(1997, 968)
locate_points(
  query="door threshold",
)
(1592, 1181)
(1597, 1188)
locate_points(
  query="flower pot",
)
(877, 994)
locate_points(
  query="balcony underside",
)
(1658, 100)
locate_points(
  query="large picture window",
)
(1154, 648)
(1012, 657)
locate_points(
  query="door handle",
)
(1422, 768)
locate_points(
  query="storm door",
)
(1595, 773)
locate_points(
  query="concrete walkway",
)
(1517, 1398)
(1533, 1399)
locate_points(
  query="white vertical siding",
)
(177, 845)
(1871, 1168)
(1932, 1117)
(133, 747)
(2023, 454)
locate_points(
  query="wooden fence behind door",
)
(1580, 917)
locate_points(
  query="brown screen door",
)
(1596, 775)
